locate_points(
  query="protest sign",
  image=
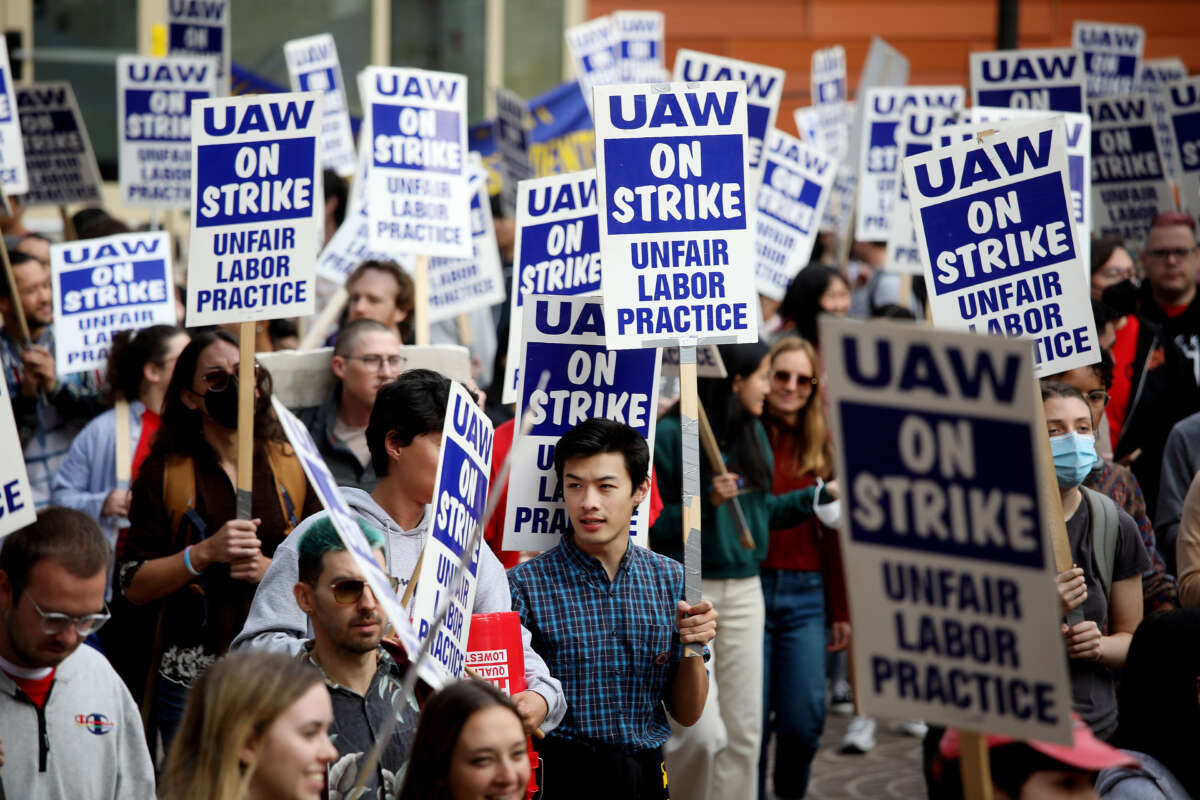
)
(58, 153)
(764, 89)
(1129, 186)
(1112, 56)
(675, 238)
(13, 175)
(1156, 74)
(201, 28)
(565, 336)
(949, 565)
(1046, 80)
(1158, 71)
(556, 251)
(460, 491)
(878, 157)
(512, 130)
(1181, 111)
(639, 45)
(829, 101)
(461, 285)
(417, 192)
(257, 208)
(154, 99)
(102, 286)
(16, 496)
(313, 66)
(885, 66)
(708, 362)
(593, 49)
(791, 202)
(996, 233)
(839, 210)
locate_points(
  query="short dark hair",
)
(405, 290)
(70, 537)
(15, 258)
(335, 186)
(349, 335)
(413, 404)
(129, 354)
(596, 435)
(321, 538)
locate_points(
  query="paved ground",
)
(892, 771)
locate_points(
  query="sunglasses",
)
(350, 590)
(217, 379)
(785, 378)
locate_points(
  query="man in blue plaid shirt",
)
(608, 618)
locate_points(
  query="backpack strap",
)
(1105, 529)
(291, 486)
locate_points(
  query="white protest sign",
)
(258, 208)
(417, 192)
(154, 101)
(998, 239)
(829, 95)
(556, 251)
(16, 496)
(1181, 111)
(1044, 80)
(459, 495)
(675, 233)
(1129, 186)
(1112, 55)
(1156, 74)
(840, 208)
(58, 153)
(791, 202)
(1158, 71)
(950, 571)
(13, 175)
(511, 131)
(879, 155)
(565, 337)
(885, 66)
(201, 28)
(345, 522)
(639, 45)
(764, 90)
(461, 285)
(102, 286)
(593, 49)
(708, 362)
(313, 66)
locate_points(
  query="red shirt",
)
(1124, 351)
(35, 688)
(150, 425)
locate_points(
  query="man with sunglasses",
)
(69, 725)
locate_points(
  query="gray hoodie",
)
(276, 623)
(1150, 781)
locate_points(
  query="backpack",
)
(1105, 524)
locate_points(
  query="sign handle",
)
(245, 429)
(1051, 499)
(975, 766)
(713, 451)
(124, 465)
(320, 326)
(421, 300)
(689, 411)
(69, 234)
(904, 297)
(412, 580)
(464, 330)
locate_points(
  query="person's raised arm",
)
(689, 684)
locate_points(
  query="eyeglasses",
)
(785, 378)
(1098, 397)
(1163, 253)
(351, 590)
(54, 623)
(375, 361)
(217, 379)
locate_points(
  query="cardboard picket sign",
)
(1181, 113)
(839, 210)
(417, 179)
(462, 285)
(345, 522)
(102, 286)
(512, 133)
(764, 90)
(16, 497)
(885, 66)
(639, 45)
(58, 153)
(565, 336)
(13, 175)
(1156, 74)
(997, 236)
(1112, 56)
(676, 236)
(709, 363)
(1158, 71)
(258, 208)
(593, 49)
(556, 250)
(1129, 185)
(791, 202)
(949, 568)
(879, 155)
(313, 66)
(829, 96)
(459, 495)
(198, 28)
(1041, 80)
(155, 97)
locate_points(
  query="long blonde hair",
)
(816, 450)
(229, 706)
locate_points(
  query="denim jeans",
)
(793, 677)
(170, 699)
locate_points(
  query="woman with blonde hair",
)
(256, 727)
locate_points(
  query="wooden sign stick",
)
(315, 335)
(124, 465)
(464, 330)
(69, 234)
(421, 300)
(689, 412)
(976, 771)
(245, 430)
(717, 461)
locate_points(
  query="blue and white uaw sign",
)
(1046, 80)
(511, 131)
(564, 336)
(639, 46)
(417, 192)
(675, 232)
(16, 496)
(154, 102)
(1181, 110)
(791, 201)
(258, 208)
(58, 153)
(201, 28)
(556, 251)
(996, 232)
(13, 175)
(1156, 74)
(459, 496)
(313, 66)
(829, 100)
(101, 286)
(462, 285)
(350, 244)
(950, 569)
(593, 49)
(1112, 55)
(1129, 185)
(879, 155)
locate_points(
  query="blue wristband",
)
(187, 561)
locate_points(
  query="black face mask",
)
(221, 405)
(1121, 297)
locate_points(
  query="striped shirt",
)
(613, 644)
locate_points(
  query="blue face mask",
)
(1074, 457)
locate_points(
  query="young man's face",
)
(355, 626)
(600, 498)
(373, 296)
(361, 380)
(53, 588)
